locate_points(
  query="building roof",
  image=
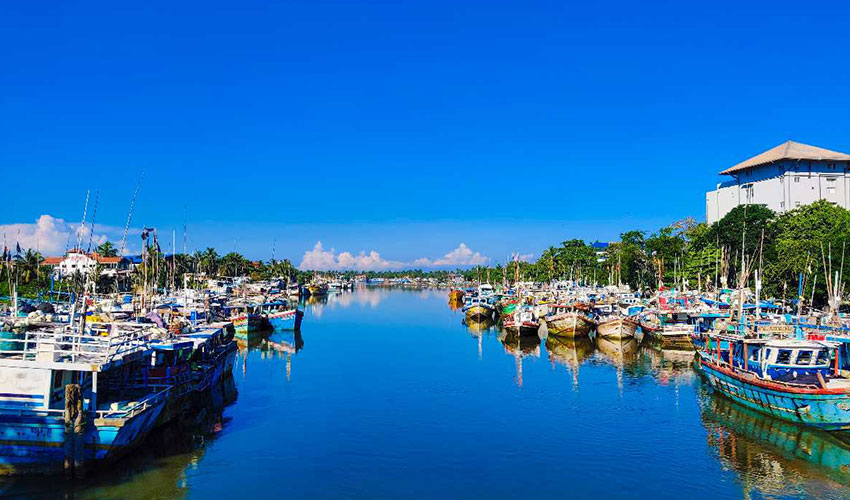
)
(789, 150)
(55, 261)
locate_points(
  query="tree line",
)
(806, 245)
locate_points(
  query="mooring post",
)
(73, 445)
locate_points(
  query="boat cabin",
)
(795, 361)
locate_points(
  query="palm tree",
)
(29, 265)
(107, 249)
(209, 261)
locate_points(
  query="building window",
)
(797, 178)
(782, 205)
(830, 185)
(796, 203)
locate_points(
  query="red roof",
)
(55, 261)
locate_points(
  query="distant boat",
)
(318, 289)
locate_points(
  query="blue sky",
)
(402, 127)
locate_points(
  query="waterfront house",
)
(783, 178)
(77, 261)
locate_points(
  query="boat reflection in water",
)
(620, 353)
(570, 352)
(774, 457)
(671, 365)
(276, 343)
(520, 347)
(478, 329)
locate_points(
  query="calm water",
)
(389, 395)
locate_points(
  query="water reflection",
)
(619, 353)
(774, 457)
(520, 347)
(478, 329)
(569, 352)
(273, 344)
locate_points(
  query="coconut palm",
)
(107, 249)
(29, 264)
(209, 261)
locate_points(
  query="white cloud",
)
(52, 236)
(462, 256)
(320, 259)
(326, 260)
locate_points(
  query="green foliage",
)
(107, 249)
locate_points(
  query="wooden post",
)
(73, 443)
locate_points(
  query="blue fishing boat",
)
(281, 315)
(795, 380)
(64, 404)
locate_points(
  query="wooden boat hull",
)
(247, 324)
(569, 325)
(677, 338)
(529, 328)
(617, 328)
(827, 409)
(478, 313)
(286, 320)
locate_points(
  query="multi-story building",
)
(783, 178)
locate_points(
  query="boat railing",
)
(135, 409)
(128, 412)
(67, 345)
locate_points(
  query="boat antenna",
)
(83, 223)
(93, 216)
(130, 213)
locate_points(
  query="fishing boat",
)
(568, 321)
(477, 308)
(246, 320)
(58, 376)
(795, 380)
(617, 327)
(668, 329)
(455, 295)
(281, 315)
(677, 336)
(318, 289)
(522, 321)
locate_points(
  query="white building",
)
(80, 262)
(783, 178)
